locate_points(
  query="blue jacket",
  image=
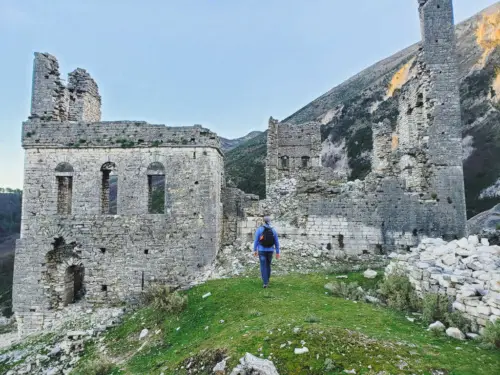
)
(258, 247)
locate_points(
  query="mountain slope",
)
(229, 144)
(348, 111)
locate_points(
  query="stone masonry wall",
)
(85, 101)
(467, 271)
(89, 229)
(124, 134)
(120, 254)
(415, 189)
(51, 100)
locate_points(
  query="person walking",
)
(266, 242)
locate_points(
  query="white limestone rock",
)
(455, 333)
(250, 364)
(485, 242)
(370, 274)
(463, 243)
(143, 333)
(437, 326)
(220, 368)
(449, 259)
(301, 350)
(473, 240)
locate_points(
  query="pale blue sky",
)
(226, 64)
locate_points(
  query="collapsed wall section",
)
(84, 98)
(51, 100)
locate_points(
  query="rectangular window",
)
(64, 194)
(109, 193)
(156, 194)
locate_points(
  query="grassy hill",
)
(348, 111)
(295, 311)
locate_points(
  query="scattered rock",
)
(437, 326)
(370, 274)
(250, 364)
(372, 299)
(301, 350)
(220, 368)
(455, 333)
(143, 334)
(472, 336)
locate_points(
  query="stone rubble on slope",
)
(251, 365)
(65, 341)
(296, 256)
(467, 270)
(455, 333)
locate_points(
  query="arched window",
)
(284, 162)
(64, 179)
(305, 161)
(156, 188)
(109, 189)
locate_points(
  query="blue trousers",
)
(265, 258)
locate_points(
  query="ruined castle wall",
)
(106, 134)
(120, 253)
(236, 203)
(272, 153)
(298, 141)
(84, 98)
(49, 99)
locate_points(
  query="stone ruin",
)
(109, 207)
(415, 188)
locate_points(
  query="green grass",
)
(344, 334)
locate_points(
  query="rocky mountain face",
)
(229, 144)
(348, 111)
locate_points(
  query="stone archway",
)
(64, 275)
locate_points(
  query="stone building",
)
(108, 207)
(416, 186)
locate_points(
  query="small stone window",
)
(285, 162)
(305, 161)
(109, 189)
(64, 179)
(156, 188)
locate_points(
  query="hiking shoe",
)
(265, 286)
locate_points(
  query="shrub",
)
(435, 307)
(456, 319)
(161, 297)
(399, 294)
(350, 291)
(491, 335)
(498, 226)
(312, 319)
(100, 366)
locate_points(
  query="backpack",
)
(267, 237)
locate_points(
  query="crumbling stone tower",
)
(108, 207)
(429, 131)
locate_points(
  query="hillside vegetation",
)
(348, 111)
(239, 316)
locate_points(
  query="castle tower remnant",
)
(84, 98)
(49, 98)
(444, 133)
